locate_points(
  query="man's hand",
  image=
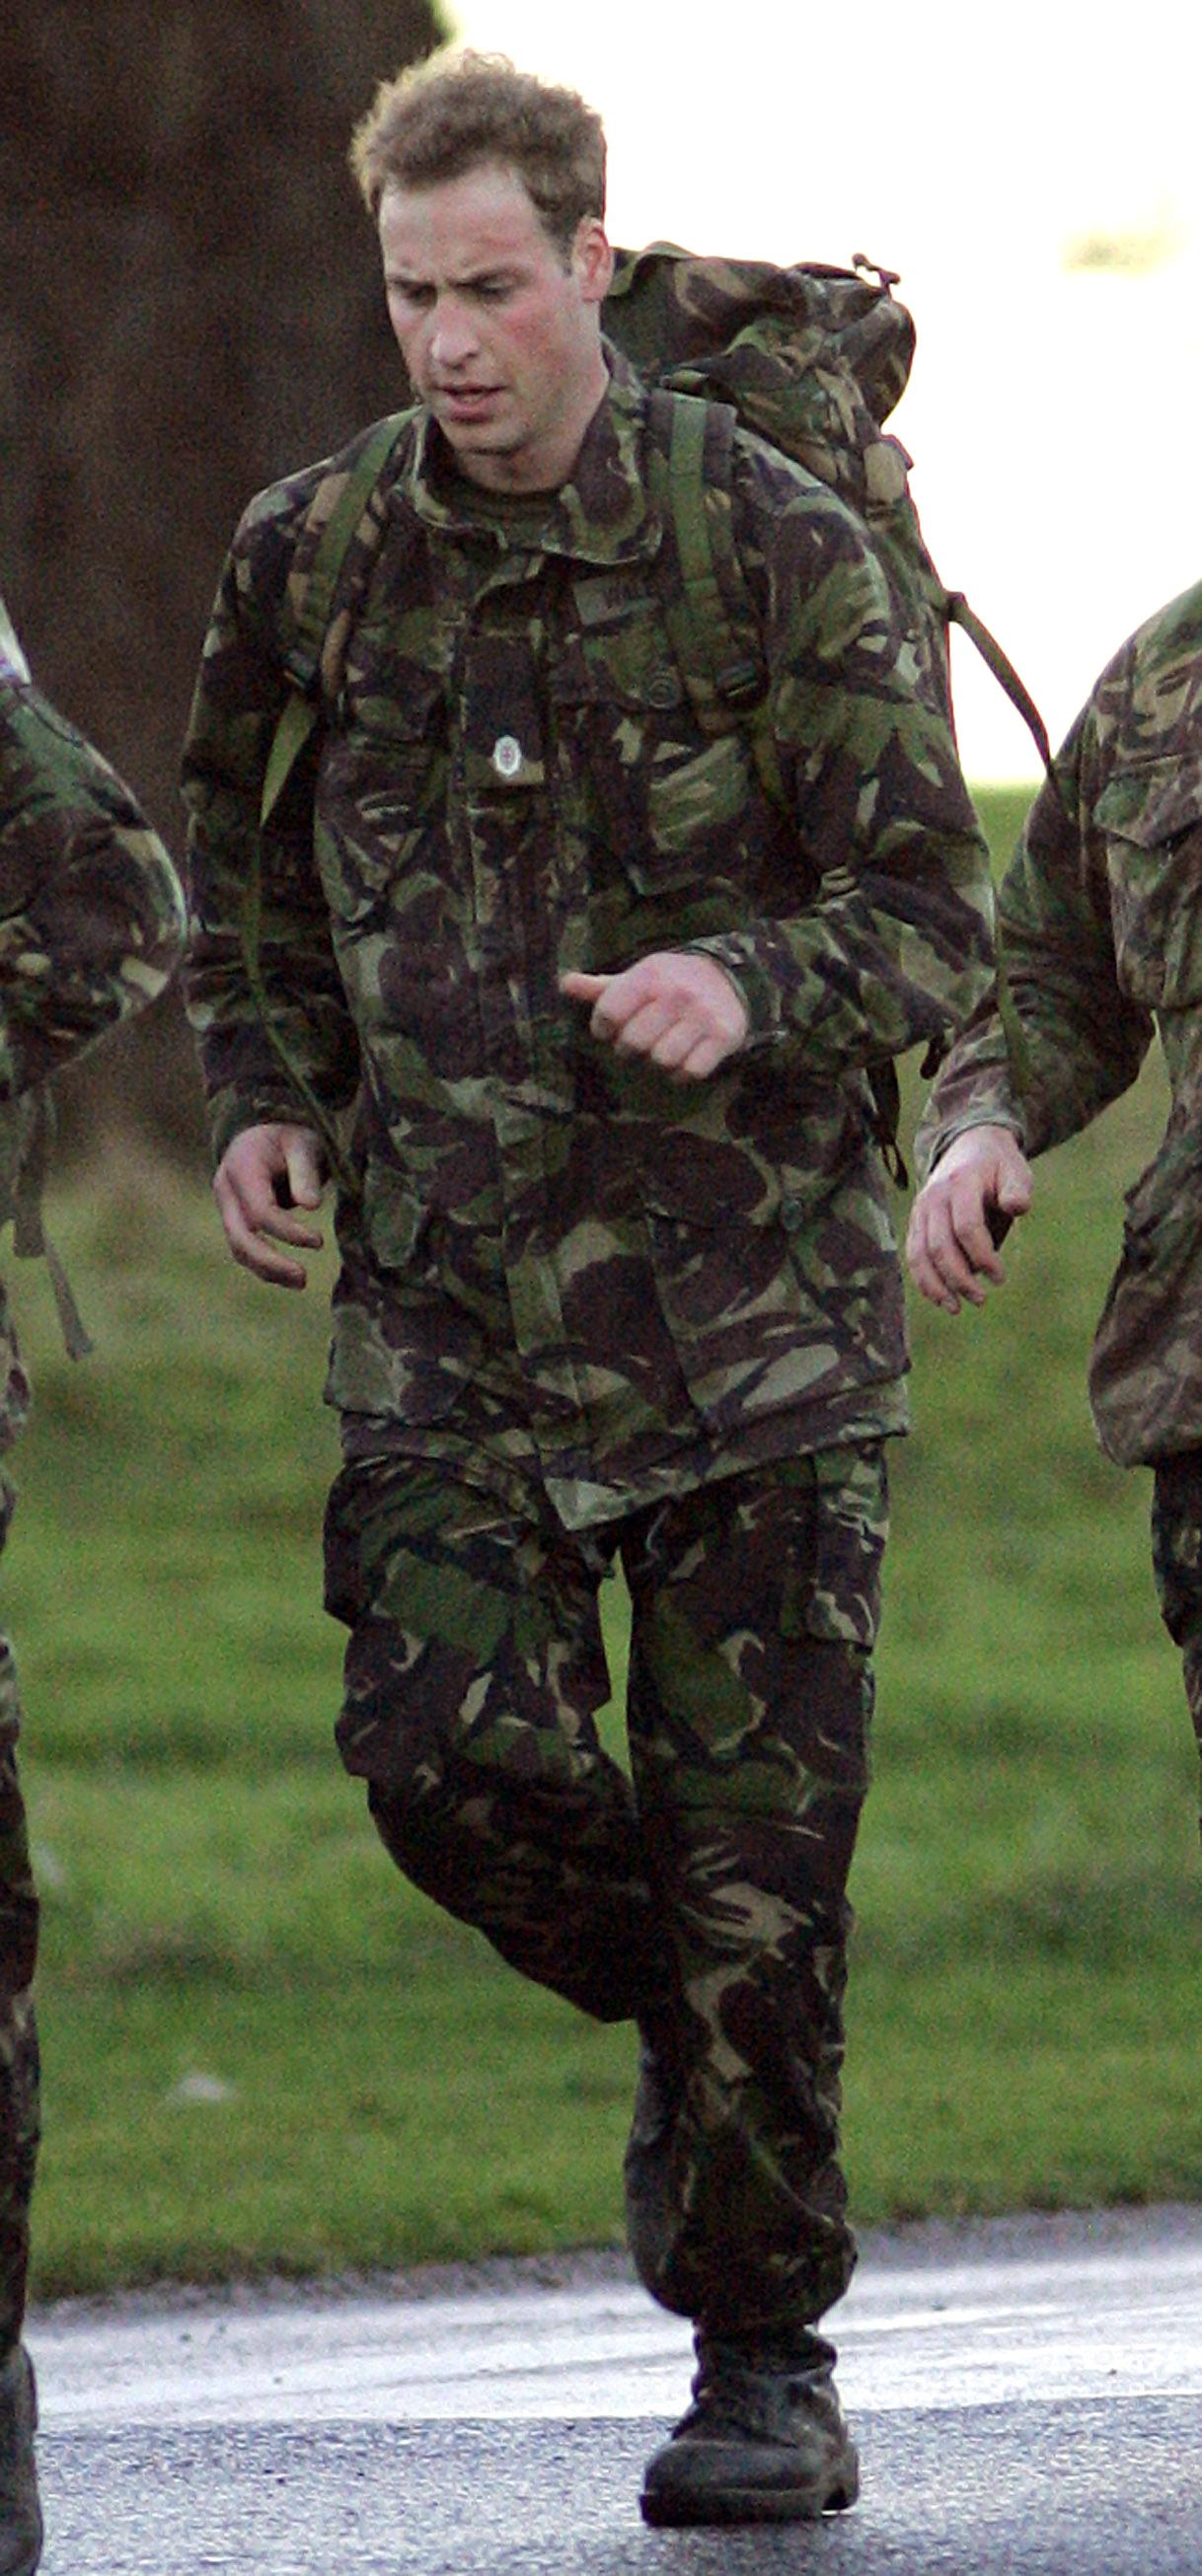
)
(266, 1172)
(682, 1011)
(949, 1247)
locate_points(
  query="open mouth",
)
(466, 402)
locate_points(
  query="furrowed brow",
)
(504, 274)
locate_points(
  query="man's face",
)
(501, 338)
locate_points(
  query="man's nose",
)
(454, 337)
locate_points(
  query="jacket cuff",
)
(230, 1114)
(758, 991)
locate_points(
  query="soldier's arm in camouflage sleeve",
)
(1078, 1041)
(91, 911)
(891, 943)
(263, 992)
(1082, 1038)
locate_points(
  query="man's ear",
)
(592, 259)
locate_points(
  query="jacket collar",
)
(602, 516)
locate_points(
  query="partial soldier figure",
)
(1101, 929)
(582, 1021)
(91, 923)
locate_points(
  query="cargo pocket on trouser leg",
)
(842, 1601)
(474, 1669)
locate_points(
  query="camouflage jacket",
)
(91, 923)
(557, 1265)
(1100, 915)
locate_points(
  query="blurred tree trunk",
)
(191, 307)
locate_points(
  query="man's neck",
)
(521, 477)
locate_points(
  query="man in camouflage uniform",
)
(583, 1022)
(1101, 928)
(91, 923)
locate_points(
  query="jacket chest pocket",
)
(501, 716)
(1150, 814)
(381, 794)
(671, 798)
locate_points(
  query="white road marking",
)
(979, 2332)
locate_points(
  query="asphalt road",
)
(1027, 2397)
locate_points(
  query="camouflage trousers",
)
(704, 1896)
(19, 2119)
(1177, 1565)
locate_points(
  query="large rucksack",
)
(811, 358)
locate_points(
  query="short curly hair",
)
(446, 115)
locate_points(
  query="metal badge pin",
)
(507, 756)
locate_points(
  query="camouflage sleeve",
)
(263, 993)
(1075, 1040)
(91, 910)
(895, 946)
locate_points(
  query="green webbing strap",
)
(293, 728)
(1002, 668)
(298, 1080)
(724, 669)
(712, 643)
(311, 621)
(308, 612)
(960, 614)
(309, 606)
(30, 1239)
(721, 665)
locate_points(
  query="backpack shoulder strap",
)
(714, 630)
(312, 639)
(689, 435)
(711, 617)
(338, 542)
(998, 661)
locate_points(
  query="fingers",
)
(655, 1028)
(677, 1039)
(957, 1222)
(264, 1170)
(1014, 1187)
(304, 1169)
(247, 1230)
(686, 1049)
(950, 1251)
(679, 1011)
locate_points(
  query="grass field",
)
(263, 2053)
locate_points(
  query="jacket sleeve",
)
(264, 996)
(892, 943)
(91, 910)
(1076, 1040)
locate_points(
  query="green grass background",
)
(263, 2053)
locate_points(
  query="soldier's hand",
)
(682, 1011)
(266, 1174)
(977, 1187)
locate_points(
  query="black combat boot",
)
(20, 2511)
(763, 2441)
